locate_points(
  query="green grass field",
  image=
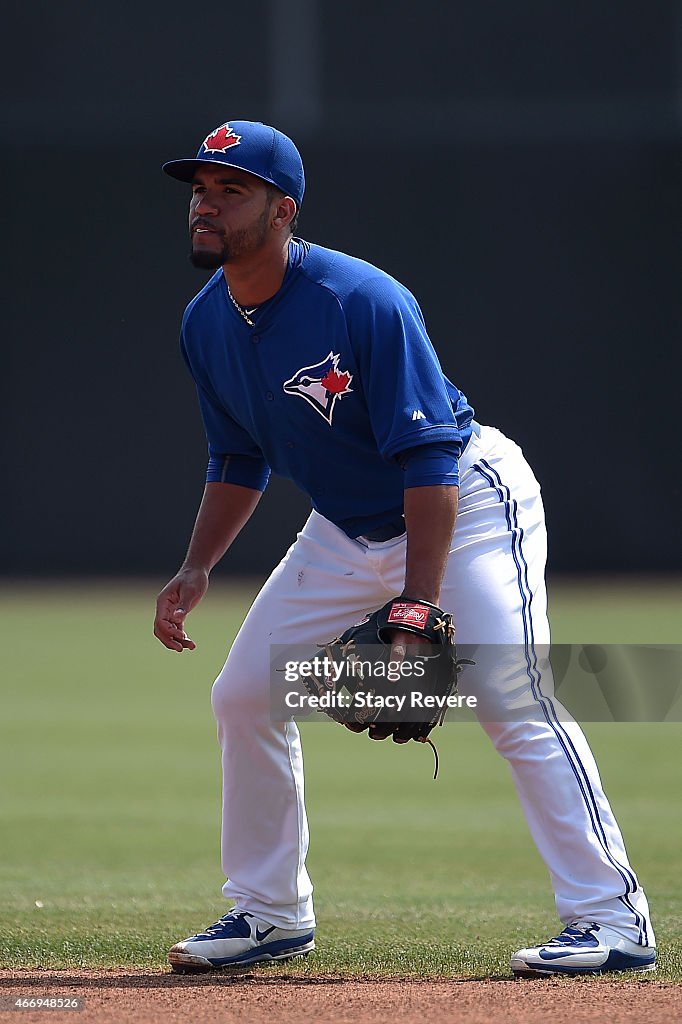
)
(110, 799)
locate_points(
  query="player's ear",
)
(285, 211)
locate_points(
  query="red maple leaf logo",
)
(221, 139)
(336, 383)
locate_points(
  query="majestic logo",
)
(221, 140)
(321, 385)
(409, 614)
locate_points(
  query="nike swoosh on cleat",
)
(548, 954)
(260, 935)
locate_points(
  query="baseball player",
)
(318, 366)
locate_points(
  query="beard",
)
(240, 243)
(205, 260)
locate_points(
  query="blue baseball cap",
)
(253, 147)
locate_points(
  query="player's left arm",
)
(413, 421)
(430, 514)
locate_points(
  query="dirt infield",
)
(148, 997)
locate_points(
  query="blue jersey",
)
(336, 380)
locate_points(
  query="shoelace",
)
(572, 935)
(225, 919)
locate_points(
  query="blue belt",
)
(396, 527)
(386, 532)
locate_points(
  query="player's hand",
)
(174, 603)
(400, 641)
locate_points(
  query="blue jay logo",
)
(321, 385)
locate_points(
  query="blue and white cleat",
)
(236, 940)
(583, 948)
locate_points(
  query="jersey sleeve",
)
(431, 465)
(233, 455)
(403, 383)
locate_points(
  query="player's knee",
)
(238, 692)
(518, 740)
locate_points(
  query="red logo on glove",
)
(406, 614)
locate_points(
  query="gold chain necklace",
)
(240, 309)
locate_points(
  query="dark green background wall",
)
(516, 165)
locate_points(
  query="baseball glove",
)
(368, 685)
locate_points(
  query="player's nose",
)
(204, 206)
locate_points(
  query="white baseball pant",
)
(495, 587)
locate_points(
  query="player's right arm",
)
(224, 510)
(236, 477)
